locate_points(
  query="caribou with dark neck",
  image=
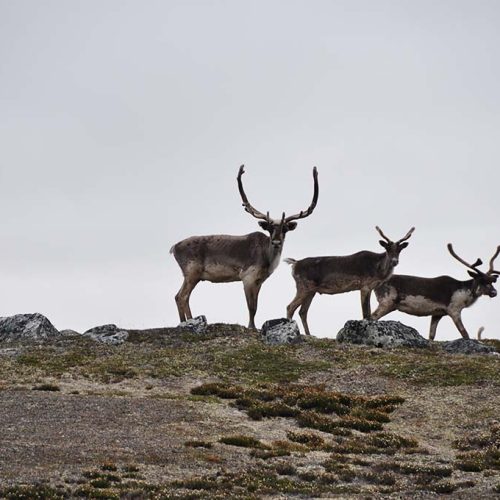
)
(250, 258)
(339, 274)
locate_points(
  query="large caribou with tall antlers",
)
(437, 297)
(331, 275)
(222, 258)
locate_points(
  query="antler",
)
(383, 235)
(248, 207)
(408, 234)
(471, 266)
(491, 270)
(309, 211)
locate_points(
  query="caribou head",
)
(277, 228)
(483, 282)
(393, 248)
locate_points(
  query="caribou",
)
(332, 275)
(250, 258)
(437, 297)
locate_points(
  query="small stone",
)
(467, 346)
(280, 331)
(26, 327)
(195, 325)
(108, 334)
(381, 334)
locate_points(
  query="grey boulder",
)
(381, 334)
(26, 327)
(467, 346)
(108, 334)
(280, 331)
(195, 325)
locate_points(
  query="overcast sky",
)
(123, 124)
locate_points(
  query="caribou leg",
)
(182, 298)
(252, 290)
(296, 302)
(382, 310)
(306, 303)
(434, 323)
(365, 302)
(461, 328)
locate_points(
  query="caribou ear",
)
(383, 243)
(472, 274)
(291, 225)
(264, 225)
(403, 245)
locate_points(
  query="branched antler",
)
(248, 207)
(309, 211)
(470, 266)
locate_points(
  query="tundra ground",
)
(174, 415)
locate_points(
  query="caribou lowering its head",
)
(250, 258)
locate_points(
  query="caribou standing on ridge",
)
(222, 258)
(437, 297)
(331, 275)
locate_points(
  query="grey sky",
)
(123, 124)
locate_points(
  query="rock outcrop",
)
(381, 334)
(467, 346)
(109, 334)
(280, 331)
(195, 325)
(26, 327)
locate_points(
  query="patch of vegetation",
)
(47, 387)
(109, 466)
(198, 444)
(311, 407)
(266, 410)
(431, 470)
(383, 478)
(309, 439)
(258, 362)
(416, 366)
(243, 441)
(41, 492)
(266, 454)
(481, 451)
(378, 443)
(285, 469)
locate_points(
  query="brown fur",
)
(332, 275)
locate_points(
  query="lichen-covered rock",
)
(280, 331)
(467, 346)
(68, 332)
(195, 325)
(381, 334)
(26, 327)
(109, 334)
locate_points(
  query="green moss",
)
(261, 363)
